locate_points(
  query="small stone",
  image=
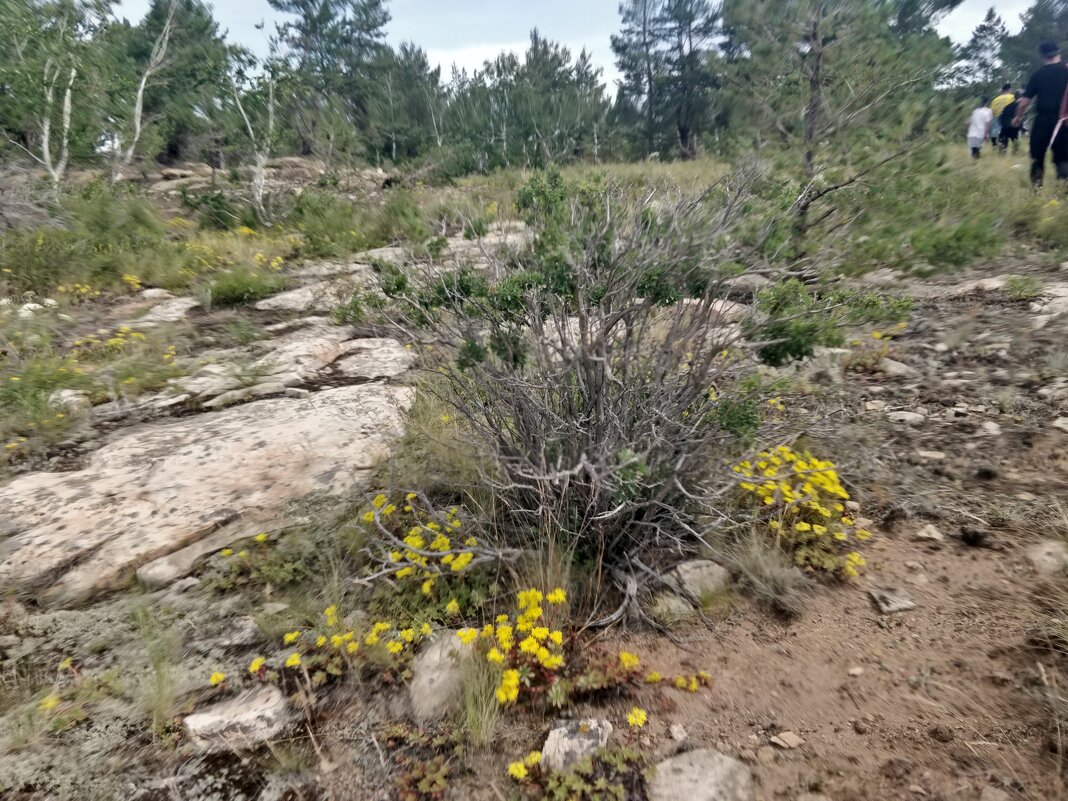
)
(929, 533)
(909, 418)
(156, 294)
(991, 429)
(275, 607)
(569, 743)
(941, 347)
(242, 722)
(701, 775)
(860, 727)
(787, 740)
(914, 565)
(1048, 557)
(436, 676)
(993, 794)
(942, 734)
(699, 578)
(856, 671)
(678, 732)
(896, 369)
(891, 600)
(915, 789)
(930, 456)
(875, 405)
(1061, 424)
(70, 401)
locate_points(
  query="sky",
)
(468, 32)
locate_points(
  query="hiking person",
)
(979, 127)
(1049, 85)
(997, 105)
(1009, 131)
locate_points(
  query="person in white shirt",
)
(979, 125)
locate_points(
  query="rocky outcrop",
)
(159, 488)
(702, 775)
(240, 723)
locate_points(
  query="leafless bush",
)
(599, 369)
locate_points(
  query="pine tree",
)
(639, 59)
(981, 57)
(689, 28)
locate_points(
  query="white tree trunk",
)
(155, 63)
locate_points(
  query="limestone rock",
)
(170, 311)
(375, 358)
(700, 578)
(161, 487)
(909, 418)
(668, 607)
(155, 294)
(1049, 557)
(322, 296)
(929, 533)
(569, 743)
(891, 600)
(1061, 424)
(243, 722)
(437, 674)
(702, 775)
(896, 369)
(71, 401)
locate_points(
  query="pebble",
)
(942, 734)
(991, 429)
(909, 418)
(929, 533)
(678, 732)
(931, 456)
(856, 671)
(787, 740)
(1061, 424)
(860, 727)
(891, 600)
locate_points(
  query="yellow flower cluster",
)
(528, 649)
(692, 684)
(637, 718)
(423, 534)
(120, 340)
(79, 291)
(520, 769)
(803, 500)
(339, 638)
(274, 264)
(132, 281)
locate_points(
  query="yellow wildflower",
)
(518, 771)
(226, 552)
(379, 501)
(452, 608)
(628, 661)
(494, 656)
(557, 596)
(256, 664)
(48, 703)
(261, 538)
(653, 677)
(395, 647)
(291, 638)
(467, 636)
(217, 678)
(637, 717)
(293, 661)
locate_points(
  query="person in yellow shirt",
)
(998, 105)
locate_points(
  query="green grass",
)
(240, 285)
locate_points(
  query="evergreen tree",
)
(1046, 19)
(689, 28)
(638, 56)
(981, 57)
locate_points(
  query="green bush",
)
(241, 285)
(331, 226)
(400, 220)
(957, 245)
(796, 322)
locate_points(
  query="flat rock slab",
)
(375, 358)
(243, 722)
(569, 743)
(161, 487)
(891, 600)
(702, 775)
(322, 296)
(170, 311)
(290, 360)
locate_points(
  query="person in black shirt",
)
(1009, 132)
(1048, 85)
